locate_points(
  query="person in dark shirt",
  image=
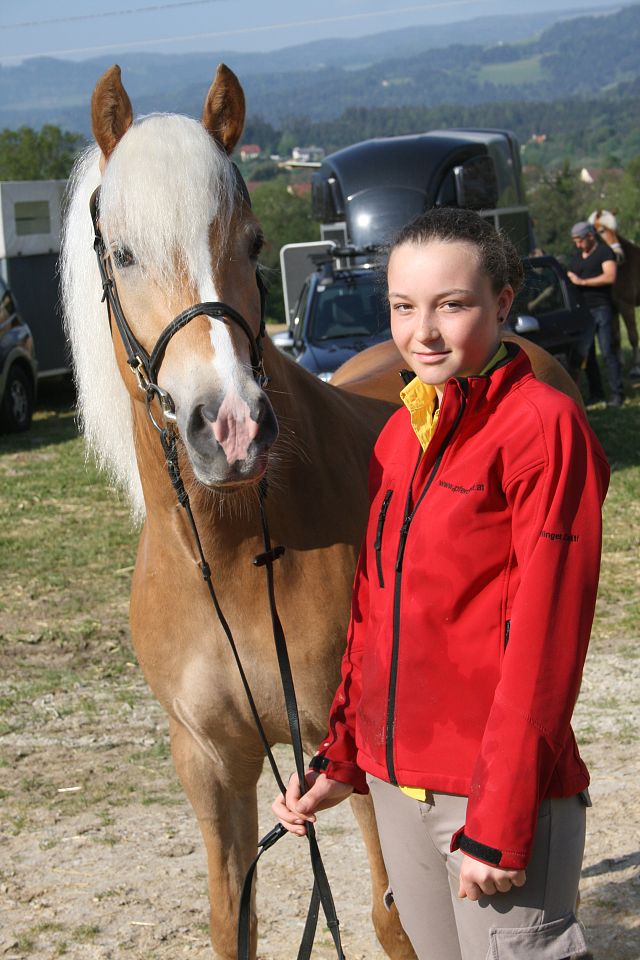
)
(593, 268)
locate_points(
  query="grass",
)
(529, 70)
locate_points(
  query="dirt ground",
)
(101, 857)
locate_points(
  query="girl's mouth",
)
(432, 356)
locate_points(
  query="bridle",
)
(146, 367)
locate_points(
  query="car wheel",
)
(17, 404)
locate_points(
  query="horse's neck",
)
(318, 416)
(318, 467)
(611, 238)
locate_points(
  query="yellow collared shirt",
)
(421, 400)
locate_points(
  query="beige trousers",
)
(533, 922)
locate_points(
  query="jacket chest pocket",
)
(377, 546)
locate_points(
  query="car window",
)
(542, 293)
(347, 308)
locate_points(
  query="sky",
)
(80, 29)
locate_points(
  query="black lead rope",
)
(321, 890)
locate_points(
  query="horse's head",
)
(605, 223)
(178, 231)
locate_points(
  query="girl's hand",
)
(479, 879)
(292, 810)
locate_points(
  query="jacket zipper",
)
(404, 532)
(378, 544)
(507, 629)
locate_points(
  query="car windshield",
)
(352, 306)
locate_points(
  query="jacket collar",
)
(486, 389)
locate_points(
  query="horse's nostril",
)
(200, 420)
(266, 420)
(209, 412)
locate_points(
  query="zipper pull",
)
(383, 512)
(404, 530)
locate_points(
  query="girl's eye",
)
(451, 305)
(122, 257)
(256, 246)
(401, 307)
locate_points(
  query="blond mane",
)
(165, 184)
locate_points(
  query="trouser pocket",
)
(557, 940)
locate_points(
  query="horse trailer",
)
(373, 188)
(30, 227)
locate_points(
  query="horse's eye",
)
(257, 244)
(122, 257)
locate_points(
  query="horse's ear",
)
(223, 112)
(111, 111)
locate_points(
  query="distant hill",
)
(581, 57)
(516, 57)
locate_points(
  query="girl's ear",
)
(505, 299)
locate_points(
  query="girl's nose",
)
(427, 329)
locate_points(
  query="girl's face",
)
(445, 316)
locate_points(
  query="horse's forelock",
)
(165, 184)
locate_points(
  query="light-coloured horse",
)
(179, 231)
(626, 290)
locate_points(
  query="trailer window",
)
(32, 216)
(507, 177)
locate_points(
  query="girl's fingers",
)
(504, 884)
(289, 819)
(477, 885)
(473, 890)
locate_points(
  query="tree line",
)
(556, 195)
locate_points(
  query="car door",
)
(546, 310)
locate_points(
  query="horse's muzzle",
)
(228, 441)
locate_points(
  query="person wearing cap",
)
(593, 268)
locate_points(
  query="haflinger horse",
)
(626, 290)
(179, 237)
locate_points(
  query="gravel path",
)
(101, 857)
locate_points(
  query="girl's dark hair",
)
(498, 257)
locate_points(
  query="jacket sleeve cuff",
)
(505, 860)
(342, 771)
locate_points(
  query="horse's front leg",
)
(386, 922)
(224, 802)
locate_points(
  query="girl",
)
(471, 613)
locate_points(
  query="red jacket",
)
(472, 608)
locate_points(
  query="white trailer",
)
(30, 228)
